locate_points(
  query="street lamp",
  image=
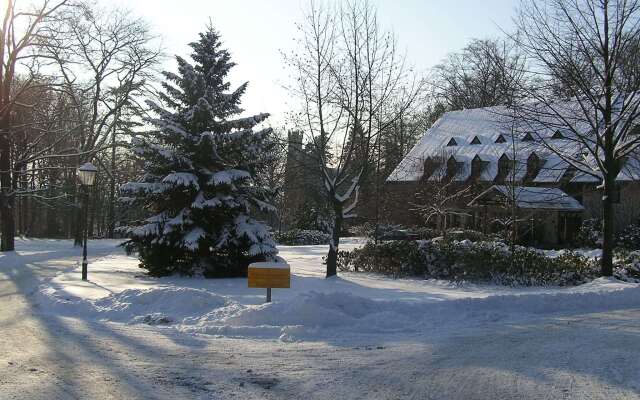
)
(86, 175)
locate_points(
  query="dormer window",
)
(501, 139)
(476, 140)
(527, 137)
(557, 135)
(452, 142)
(477, 166)
(453, 166)
(534, 163)
(568, 174)
(504, 165)
(430, 165)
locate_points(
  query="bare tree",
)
(513, 181)
(22, 34)
(106, 61)
(347, 69)
(586, 45)
(485, 73)
(441, 196)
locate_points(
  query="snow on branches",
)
(200, 165)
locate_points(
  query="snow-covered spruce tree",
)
(198, 183)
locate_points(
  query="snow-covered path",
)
(50, 354)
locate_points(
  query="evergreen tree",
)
(198, 183)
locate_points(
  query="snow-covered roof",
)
(530, 197)
(485, 125)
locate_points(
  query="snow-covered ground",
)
(314, 307)
(355, 336)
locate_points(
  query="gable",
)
(527, 137)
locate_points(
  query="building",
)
(304, 193)
(505, 165)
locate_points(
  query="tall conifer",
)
(197, 184)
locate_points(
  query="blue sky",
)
(255, 31)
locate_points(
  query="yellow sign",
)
(269, 275)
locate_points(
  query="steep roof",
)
(529, 197)
(486, 125)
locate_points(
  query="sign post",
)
(269, 275)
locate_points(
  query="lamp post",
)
(87, 176)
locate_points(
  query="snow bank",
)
(338, 314)
(172, 304)
(347, 307)
(318, 315)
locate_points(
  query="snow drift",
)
(334, 314)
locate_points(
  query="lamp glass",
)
(87, 174)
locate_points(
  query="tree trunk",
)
(606, 266)
(77, 214)
(7, 217)
(332, 257)
(111, 220)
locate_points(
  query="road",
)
(580, 356)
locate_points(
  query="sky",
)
(256, 32)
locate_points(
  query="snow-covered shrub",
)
(628, 268)
(381, 231)
(397, 258)
(590, 233)
(425, 233)
(629, 238)
(300, 237)
(483, 261)
(395, 231)
(468, 234)
(199, 180)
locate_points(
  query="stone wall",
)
(626, 211)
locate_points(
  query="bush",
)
(470, 234)
(301, 237)
(391, 258)
(468, 261)
(590, 233)
(368, 230)
(427, 233)
(629, 267)
(399, 232)
(629, 238)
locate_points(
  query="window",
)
(477, 166)
(501, 139)
(504, 164)
(476, 140)
(568, 174)
(534, 163)
(430, 166)
(453, 166)
(452, 142)
(557, 135)
(527, 137)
